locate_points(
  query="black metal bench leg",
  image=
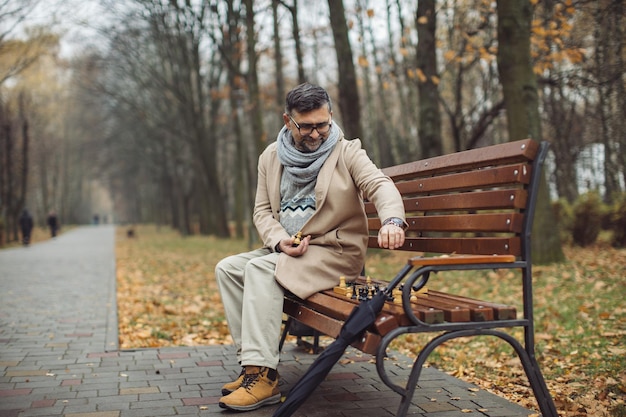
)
(529, 363)
(540, 389)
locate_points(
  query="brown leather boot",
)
(259, 388)
(232, 386)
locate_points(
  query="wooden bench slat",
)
(501, 311)
(461, 259)
(426, 314)
(492, 177)
(450, 245)
(453, 312)
(476, 200)
(476, 223)
(319, 321)
(340, 307)
(506, 153)
(328, 325)
(506, 200)
(478, 311)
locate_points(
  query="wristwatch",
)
(395, 221)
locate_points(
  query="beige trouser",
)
(253, 302)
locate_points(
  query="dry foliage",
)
(167, 296)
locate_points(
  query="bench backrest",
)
(476, 201)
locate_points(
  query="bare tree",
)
(295, 30)
(428, 80)
(608, 74)
(349, 103)
(520, 97)
(279, 75)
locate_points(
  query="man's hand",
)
(390, 236)
(286, 246)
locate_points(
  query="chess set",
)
(363, 289)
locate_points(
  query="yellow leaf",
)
(422, 20)
(421, 76)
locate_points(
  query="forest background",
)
(157, 112)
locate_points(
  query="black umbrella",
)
(361, 317)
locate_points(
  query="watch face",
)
(397, 222)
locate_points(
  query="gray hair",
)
(305, 98)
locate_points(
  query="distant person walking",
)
(53, 223)
(26, 226)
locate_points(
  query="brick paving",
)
(59, 354)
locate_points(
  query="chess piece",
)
(349, 292)
(397, 296)
(363, 294)
(342, 288)
(297, 239)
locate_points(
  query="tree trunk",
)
(278, 60)
(520, 98)
(349, 104)
(11, 220)
(25, 150)
(429, 116)
(374, 144)
(406, 91)
(255, 110)
(518, 81)
(609, 78)
(295, 31)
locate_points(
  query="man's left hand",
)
(390, 236)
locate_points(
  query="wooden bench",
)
(470, 210)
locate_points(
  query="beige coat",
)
(338, 228)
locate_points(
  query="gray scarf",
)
(301, 168)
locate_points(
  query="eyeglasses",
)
(306, 128)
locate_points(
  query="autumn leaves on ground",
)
(167, 296)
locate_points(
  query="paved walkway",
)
(59, 356)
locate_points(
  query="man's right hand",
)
(286, 247)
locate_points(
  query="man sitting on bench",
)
(310, 189)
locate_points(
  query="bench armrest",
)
(460, 260)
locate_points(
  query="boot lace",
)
(250, 379)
